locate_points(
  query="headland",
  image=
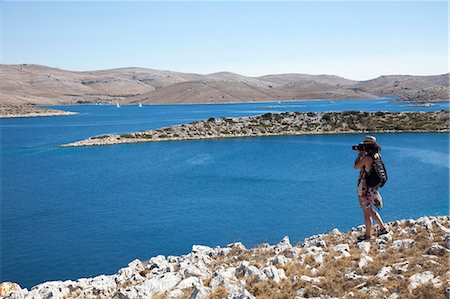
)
(16, 111)
(287, 123)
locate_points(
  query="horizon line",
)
(223, 71)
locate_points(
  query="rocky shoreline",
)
(411, 261)
(16, 111)
(287, 123)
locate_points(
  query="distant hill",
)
(36, 84)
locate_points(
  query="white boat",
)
(140, 105)
(117, 105)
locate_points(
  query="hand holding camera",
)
(359, 147)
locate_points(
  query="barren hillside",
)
(43, 85)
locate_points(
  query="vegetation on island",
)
(287, 123)
(28, 110)
(427, 95)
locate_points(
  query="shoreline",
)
(284, 124)
(390, 98)
(63, 113)
(248, 136)
(24, 111)
(410, 260)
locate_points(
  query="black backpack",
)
(377, 176)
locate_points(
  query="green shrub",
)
(326, 117)
(128, 136)
(100, 137)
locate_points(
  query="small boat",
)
(117, 105)
(140, 105)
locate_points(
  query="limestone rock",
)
(237, 246)
(7, 288)
(52, 289)
(203, 250)
(200, 293)
(353, 276)
(319, 258)
(293, 253)
(274, 273)
(162, 283)
(285, 244)
(383, 274)
(364, 260)
(277, 260)
(403, 244)
(310, 279)
(159, 265)
(343, 249)
(335, 232)
(223, 277)
(197, 270)
(363, 246)
(401, 267)
(127, 275)
(422, 278)
(438, 250)
(125, 293)
(244, 269)
(447, 241)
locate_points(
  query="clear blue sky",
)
(357, 40)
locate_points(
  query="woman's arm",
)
(360, 161)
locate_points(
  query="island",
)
(27, 110)
(426, 96)
(410, 261)
(287, 123)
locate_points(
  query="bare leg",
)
(367, 220)
(374, 215)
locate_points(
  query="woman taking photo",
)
(368, 196)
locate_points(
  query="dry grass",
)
(218, 293)
(333, 282)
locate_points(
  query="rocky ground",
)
(411, 261)
(13, 111)
(288, 123)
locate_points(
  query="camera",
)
(358, 147)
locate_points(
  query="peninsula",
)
(411, 261)
(15, 111)
(287, 123)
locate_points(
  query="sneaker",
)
(382, 232)
(363, 238)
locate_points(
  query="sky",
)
(357, 40)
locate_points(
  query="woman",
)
(368, 196)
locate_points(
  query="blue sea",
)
(78, 212)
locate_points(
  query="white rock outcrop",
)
(232, 270)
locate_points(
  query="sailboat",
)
(140, 105)
(117, 105)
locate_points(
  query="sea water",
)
(78, 212)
